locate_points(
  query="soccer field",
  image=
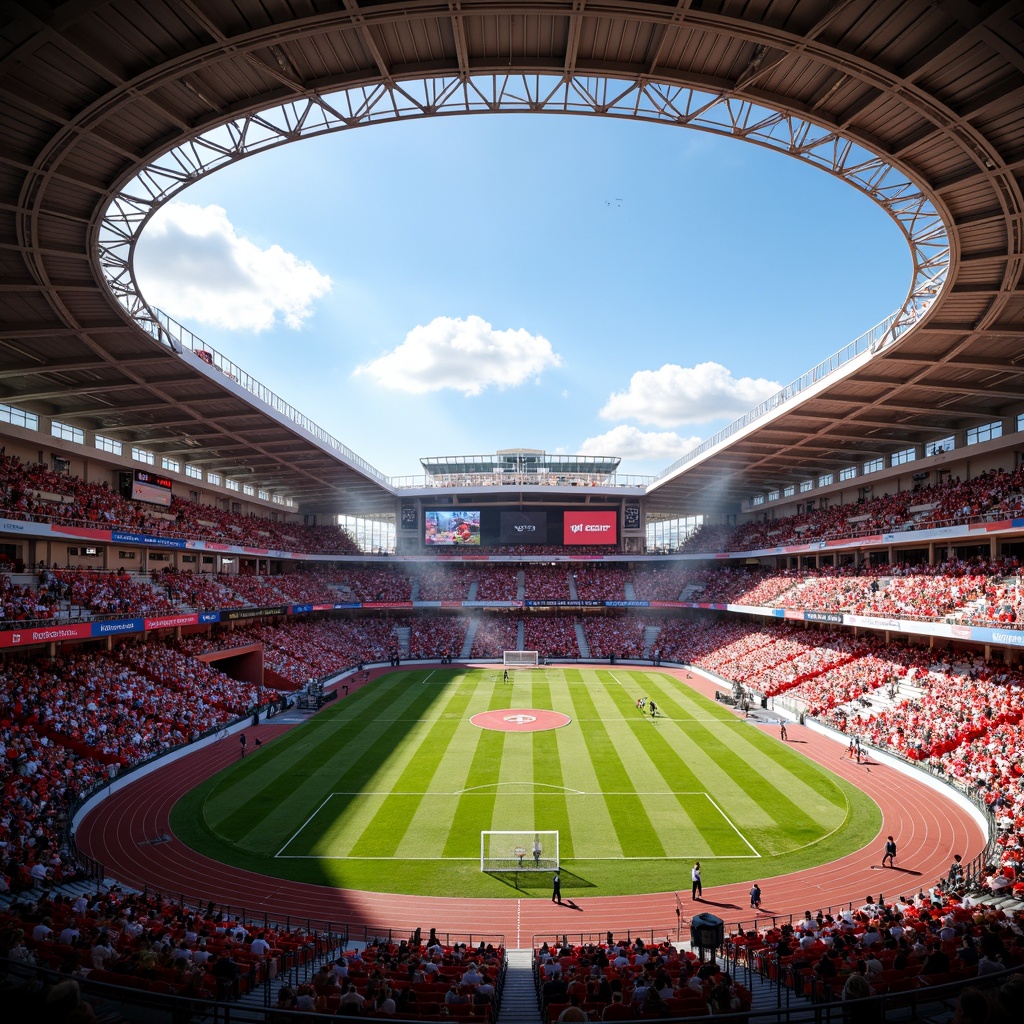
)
(390, 788)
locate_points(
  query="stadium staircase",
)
(521, 635)
(471, 596)
(467, 644)
(519, 1000)
(650, 637)
(414, 594)
(574, 594)
(402, 634)
(629, 590)
(581, 640)
(521, 586)
(691, 592)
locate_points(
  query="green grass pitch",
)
(389, 789)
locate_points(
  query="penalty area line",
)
(732, 824)
(291, 839)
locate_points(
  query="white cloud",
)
(463, 355)
(194, 265)
(632, 443)
(683, 394)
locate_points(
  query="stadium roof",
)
(93, 92)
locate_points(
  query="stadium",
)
(257, 689)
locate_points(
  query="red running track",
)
(929, 828)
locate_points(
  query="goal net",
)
(520, 659)
(519, 851)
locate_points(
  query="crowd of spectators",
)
(494, 635)
(551, 636)
(195, 591)
(144, 942)
(993, 495)
(957, 713)
(104, 593)
(35, 492)
(498, 583)
(930, 938)
(387, 583)
(599, 582)
(437, 636)
(300, 651)
(614, 636)
(546, 582)
(630, 980)
(443, 582)
(19, 603)
(68, 723)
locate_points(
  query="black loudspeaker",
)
(124, 485)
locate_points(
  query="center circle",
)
(520, 720)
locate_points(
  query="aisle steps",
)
(519, 1002)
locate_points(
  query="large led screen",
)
(590, 528)
(448, 528)
(529, 526)
(152, 488)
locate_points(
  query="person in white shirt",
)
(260, 946)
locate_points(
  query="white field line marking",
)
(711, 800)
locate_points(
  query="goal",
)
(519, 659)
(519, 851)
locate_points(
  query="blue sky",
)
(459, 285)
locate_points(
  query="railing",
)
(176, 336)
(855, 533)
(871, 340)
(421, 481)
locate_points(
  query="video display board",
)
(450, 528)
(151, 488)
(514, 526)
(526, 526)
(590, 528)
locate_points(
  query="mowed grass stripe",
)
(474, 810)
(418, 763)
(591, 825)
(747, 793)
(823, 806)
(359, 767)
(360, 749)
(660, 753)
(430, 833)
(549, 807)
(550, 811)
(637, 836)
(688, 742)
(249, 811)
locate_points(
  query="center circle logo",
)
(520, 720)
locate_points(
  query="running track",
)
(928, 829)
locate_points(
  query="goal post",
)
(519, 659)
(518, 851)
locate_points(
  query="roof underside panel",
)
(91, 91)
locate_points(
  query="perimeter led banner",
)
(590, 528)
